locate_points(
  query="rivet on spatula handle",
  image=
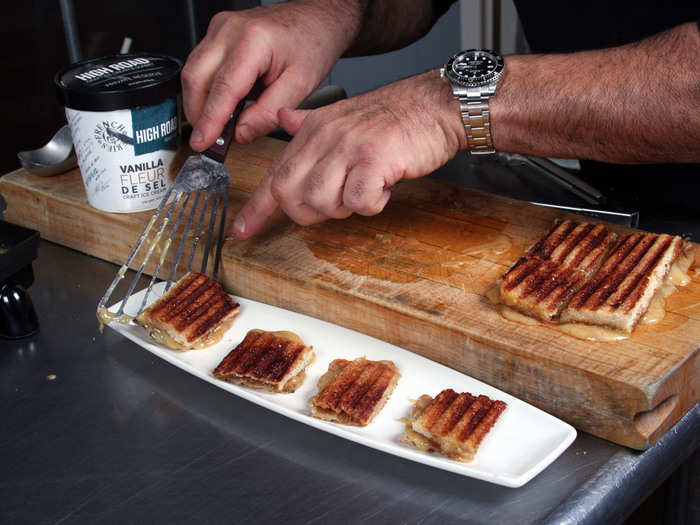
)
(219, 149)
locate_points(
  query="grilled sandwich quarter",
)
(451, 423)
(194, 313)
(621, 291)
(274, 361)
(353, 392)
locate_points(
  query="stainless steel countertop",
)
(122, 436)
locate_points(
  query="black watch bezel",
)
(474, 81)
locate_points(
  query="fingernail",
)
(239, 224)
(197, 136)
(245, 133)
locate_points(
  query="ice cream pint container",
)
(123, 115)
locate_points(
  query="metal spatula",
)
(203, 180)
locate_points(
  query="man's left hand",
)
(346, 157)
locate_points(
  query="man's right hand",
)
(291, 47)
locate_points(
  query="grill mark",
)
(183, 304)
(431, 415)
(545, 246)
(599, 254)
(643, 275)
(250, 354)
(212, 318)
(196, 309)
(571, 241)
(513, 278)
(353, 395)
(619, 274)
(259, 369)
(451, 417)
(533, 284)
(589, 246)
(228, 364)
(261, 356)
(287, 354)
(180, 298)
(566, 290)
(477, 412)
(621, 250)
(183, 285)
(555, 280)
(331, 395)
(368, 403)
(494, 412)
(538, 249)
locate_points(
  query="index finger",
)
(196, 77)
(256, 211)
(232, 82)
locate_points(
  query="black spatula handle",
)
(218, 150)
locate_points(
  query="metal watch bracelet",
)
(476, 118)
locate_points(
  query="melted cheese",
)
(679, 273)
(419, 440)
(493, 295)
(211, 338)
(104, 317)
(514, 315)
(164, 250)
(591, 332)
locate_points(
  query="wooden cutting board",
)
(417, 275)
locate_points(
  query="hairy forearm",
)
(386, 25)
(631, 104)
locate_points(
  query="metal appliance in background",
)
(18, 248)
(568, 181)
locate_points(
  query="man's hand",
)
(346, 157)
(291, 47)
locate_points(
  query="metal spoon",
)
(57, 156)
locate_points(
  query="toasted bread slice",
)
(194, 313)
(540, 288)
(353, 392)
(274, 361)
(451, 423)
(577, 245)
(542, 282)
(620, 293)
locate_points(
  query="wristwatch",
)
(474, 75)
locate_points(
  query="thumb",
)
(291, 119)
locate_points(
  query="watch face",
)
(475, 66)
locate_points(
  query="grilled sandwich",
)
(194, 313)
(353, 392)
(583, 273)
(273, 361)
(542, 282)
(620, 293)
(451, 423)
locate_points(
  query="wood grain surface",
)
(417, 276)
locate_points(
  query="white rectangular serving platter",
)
(521, 444)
